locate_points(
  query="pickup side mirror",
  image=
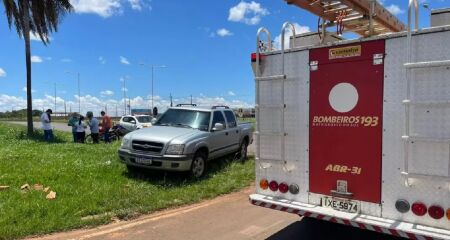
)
(218, 127)
(153, 121)
(133, 121)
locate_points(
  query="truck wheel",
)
(242, 152)
(198, 165)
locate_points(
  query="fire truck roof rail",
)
(363, 17)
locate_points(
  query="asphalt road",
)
(226, 217)
(56, 125)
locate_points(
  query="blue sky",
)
(205, 45)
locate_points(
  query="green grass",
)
(89, 180)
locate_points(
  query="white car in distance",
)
(135, 122)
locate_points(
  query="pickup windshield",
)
(185, 118)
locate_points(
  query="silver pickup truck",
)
(184, 138)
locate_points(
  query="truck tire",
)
(242, 152)
(198, 166)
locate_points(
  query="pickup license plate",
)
(343, 205)
(146, 161)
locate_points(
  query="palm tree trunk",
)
(26, 36)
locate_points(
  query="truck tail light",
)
(402, 205)
(448, 214)
(419, 208)
(436, 212)
(283, 187)
(264, 184)
(273, 185)
(294, 189)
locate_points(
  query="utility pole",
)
(55, 96)
(117, 114)
(124, 97)
(65, 109)
(79, 95)
(171, 100)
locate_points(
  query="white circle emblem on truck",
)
(343, 97)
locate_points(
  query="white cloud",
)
(108, 8)
(138, 5)
(248, 13)
(2, 72)
(124, 60)
(66, 60)
(107, 93)
(35, 37)
(224, 32)
(231, 93)
(25, 90)
(394, 9)
(299, 29)
(36, 59)
(104, 8)
(102, 60)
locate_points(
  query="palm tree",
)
(39, 17)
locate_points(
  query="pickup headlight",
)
(126, 143)
(175, 149)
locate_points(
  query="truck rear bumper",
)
(165, 162)
(381, 225)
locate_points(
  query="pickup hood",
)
(163, 134)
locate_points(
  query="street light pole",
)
(153, 74)
(79, 96)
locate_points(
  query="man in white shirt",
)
(46, 120)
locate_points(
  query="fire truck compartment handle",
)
(335, 193)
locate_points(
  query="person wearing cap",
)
(46, 120)
(93, 125)
(106, 124)
(72, 122)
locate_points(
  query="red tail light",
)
(419, 208)
(284, 188)
(448, 214)
(273, 185)
(436, 212)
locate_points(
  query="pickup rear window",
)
(185, 118)
(231, 119)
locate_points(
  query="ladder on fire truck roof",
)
(363, 17)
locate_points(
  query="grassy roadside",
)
(89, 180)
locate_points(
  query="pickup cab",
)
(184, 138)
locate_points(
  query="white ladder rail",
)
(409, 65)
(282, 77)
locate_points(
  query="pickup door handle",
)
(226, 134)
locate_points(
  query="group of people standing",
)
(79, 124)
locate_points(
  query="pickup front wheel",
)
(242, 153)
(198, 166)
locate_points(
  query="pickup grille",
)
(145, 146)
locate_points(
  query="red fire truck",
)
(357, 132)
